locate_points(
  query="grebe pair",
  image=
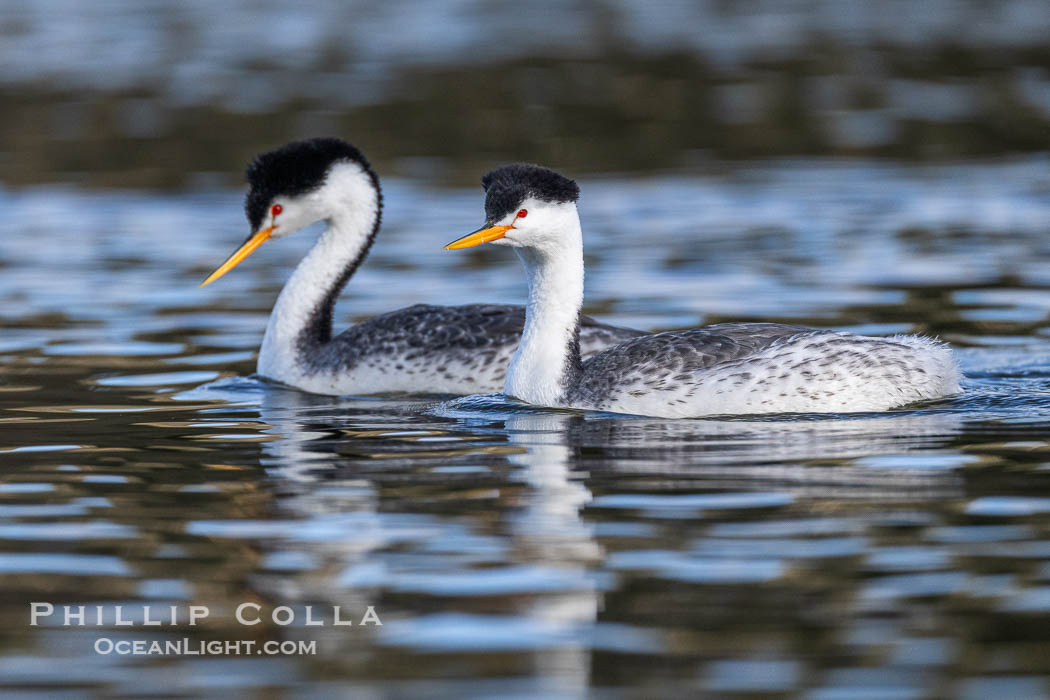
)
(547, 354)
(418, 349)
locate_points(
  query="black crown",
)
(507, 187)
(294, 169)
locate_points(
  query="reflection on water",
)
(515, 551)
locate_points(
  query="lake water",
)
(512, 551)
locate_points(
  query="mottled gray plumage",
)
(812, 362)
(461, 339)
(662, 360)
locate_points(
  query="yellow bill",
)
(482, 235)
(241, 253)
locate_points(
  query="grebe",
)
(728, 368)
(419, 349)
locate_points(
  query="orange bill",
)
(482, 235)
(242, 252)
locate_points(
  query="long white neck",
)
(301, 320)
(544, 365)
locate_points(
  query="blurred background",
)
(875, 166)
(162, 93)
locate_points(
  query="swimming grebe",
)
(728, 368)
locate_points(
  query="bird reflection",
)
(545, 534)
(550, 530)
(365, 482)
(825, 457)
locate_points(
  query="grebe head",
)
(526, 206)
(296, 185)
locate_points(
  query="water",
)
(511, 551)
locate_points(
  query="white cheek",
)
(282, 227)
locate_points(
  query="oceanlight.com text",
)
(190, 647)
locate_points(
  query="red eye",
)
(522, 213)
(276, 209)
